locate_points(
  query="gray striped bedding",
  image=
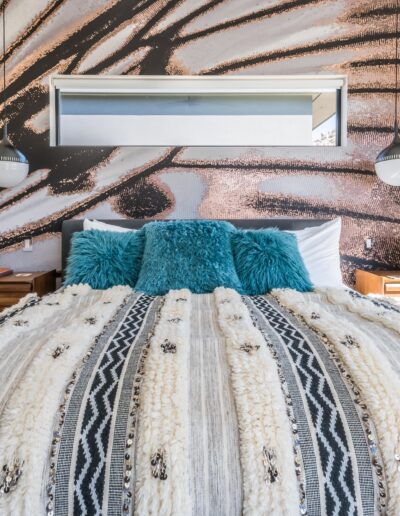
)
(114, 402)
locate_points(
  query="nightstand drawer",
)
(16, 287)
(392, 288)
(382, 283)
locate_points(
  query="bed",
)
(119, 402)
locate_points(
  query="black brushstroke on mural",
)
(55, 224)
(36, 24)
(266, 203)
(70, 169)
(337, 44)
(301, 167)
(255, 16)
(142, 200)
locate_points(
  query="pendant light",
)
(387, 163)
(14, 167)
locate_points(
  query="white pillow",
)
(319, 248)
(102, 226)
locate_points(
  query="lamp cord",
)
(4, 64)
(397, 63)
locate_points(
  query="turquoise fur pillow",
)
(196, 255)
(268, 258)
(104, 259)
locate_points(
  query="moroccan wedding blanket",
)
(114, 402)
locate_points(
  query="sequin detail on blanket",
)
(101, 436)
(158, 464)
(10, 475)
(310, 375)
(269, 461)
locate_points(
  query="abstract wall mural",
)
(350, 37)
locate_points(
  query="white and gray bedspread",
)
(114, 402)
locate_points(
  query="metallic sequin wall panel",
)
(352, 37)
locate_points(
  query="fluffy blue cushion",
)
(104, 259)
(267, 259)
(187, 254)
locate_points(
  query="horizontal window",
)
(197, 111)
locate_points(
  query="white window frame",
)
(186, 85)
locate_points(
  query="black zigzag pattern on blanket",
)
(95, 430)
(329, 428)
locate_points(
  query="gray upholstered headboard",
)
(70, 226)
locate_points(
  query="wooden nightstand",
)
(17, 285)
(384, 283)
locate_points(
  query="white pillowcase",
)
(102, 226)
(319, 248)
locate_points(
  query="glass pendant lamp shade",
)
(14, 167)
(387, 164)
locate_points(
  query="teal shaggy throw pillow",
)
(268, 258)
(104, 259)
(196, 255)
